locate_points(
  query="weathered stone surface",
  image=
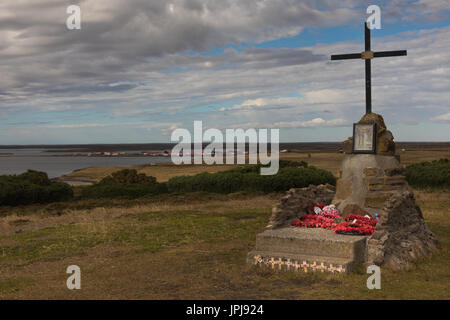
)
(371, 172)
(385, 183)
(402, 234)
(347, 146)
(385, 143)
(371, 181)
(395, 180)
(307, 250)
(297, 202)
(393, 171)
(370, 118)
(377, 200)
(353, 209)
(354, 169)
(344, 188)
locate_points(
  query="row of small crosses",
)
(296, 266)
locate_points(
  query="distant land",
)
(291, 146)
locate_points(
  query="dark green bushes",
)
(435, 174)
(127, 184)
(32, 187)
(130, 191)
(249, 179)
(128, 176)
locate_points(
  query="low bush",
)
(127, 184)
(128, 176)
(435, 174)
(129, 191)
(32, 187)
(249, 179)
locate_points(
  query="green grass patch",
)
(154, 231)
(15, 284)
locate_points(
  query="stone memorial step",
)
(313, 249)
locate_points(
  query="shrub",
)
(249, 179)
(128, 176)
(126, 184)
(32, 187)
(130, 191)
(35, 177)
(435, 174)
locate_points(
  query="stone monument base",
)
(306, 250)
(400, 236)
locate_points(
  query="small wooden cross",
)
(288, 264)
(322, 267)
(258, 259)
(279, 263)
(368, 55)
(272, 262)
(305, 266)
(331, 268)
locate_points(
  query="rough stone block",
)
(393, 171)
(353, 209)
(385, 143)
(371, 172)
(377, 200)
(385, 183)
(347, 146)
(343, 189)
(395, 180)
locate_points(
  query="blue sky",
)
(137, 71)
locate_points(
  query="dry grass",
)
(188, 251)
(161, 171)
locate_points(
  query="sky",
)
(139, 69)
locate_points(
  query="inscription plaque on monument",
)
(364, 138)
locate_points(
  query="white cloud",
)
(441, 118)
(130, 61)
(314, 123)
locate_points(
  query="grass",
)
(161, 171)
(193, 251)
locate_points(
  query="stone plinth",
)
(298, 249)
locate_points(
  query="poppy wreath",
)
(354, 224)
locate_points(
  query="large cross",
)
(368, 55)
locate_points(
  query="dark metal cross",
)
(368, 55)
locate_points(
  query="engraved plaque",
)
(364, 138)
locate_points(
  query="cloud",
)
(441, 118)
(140, 60)
(314, 123)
